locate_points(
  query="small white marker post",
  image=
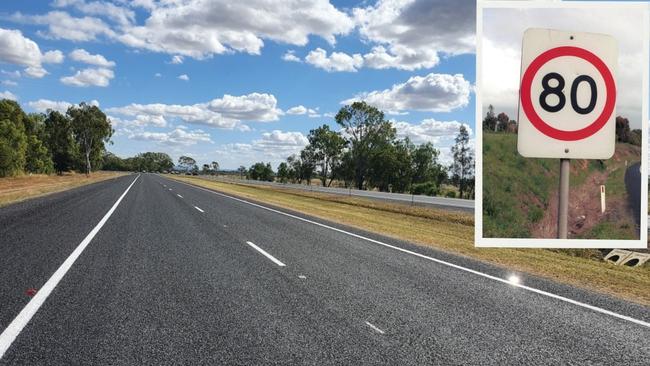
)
(602, 199)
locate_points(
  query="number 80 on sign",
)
(567, 95)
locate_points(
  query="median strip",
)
(267, 255)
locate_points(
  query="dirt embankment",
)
(584, 201)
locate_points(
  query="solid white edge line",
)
(198, 209)
(440, 261)
(179, 195)
(267, 255)
(375, 328)
(16, 326)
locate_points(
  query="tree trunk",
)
(87, 163)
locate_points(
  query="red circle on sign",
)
(536, 120)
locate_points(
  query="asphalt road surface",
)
(633, 187)
(167, 273)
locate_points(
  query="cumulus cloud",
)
(176, 60)
(35, 72)
(184, 77)
(429, 130)
(201, 29)
(9, 83)
(62, 25)
(432, 93)
(291, 57)
(8, 95)
(118, 14)
(89, 77)
(84, 56)
(259, 107)
(227, 112)
(178, 136)
(411, 33)
(271, 147)
(53, 57)
(19, 50)
(336, 61)
(42, 105)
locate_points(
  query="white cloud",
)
(63, 26)
(227, 112)
(430, 130)
(9, 83)
(84, 56)
(300, 109)
(400, 57)
(411, 33)
(176, 60)
(43, 105)
(201, 29)
(89, 77)
(336, 61)
(158, 75)
(121, 15)
(272, 147)
(259, 107)
(19, 50)
(8, 95)
(53, 57)
(184, 77)
(35, 72)
(177, 136)
(291, 57)
(432, 93)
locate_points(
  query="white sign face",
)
(567, 96)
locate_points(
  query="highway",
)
(147, 270)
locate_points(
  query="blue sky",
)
(241, 97)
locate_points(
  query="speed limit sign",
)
(567, 96)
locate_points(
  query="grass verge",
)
(16, 189)
(452, 232)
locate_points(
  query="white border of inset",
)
(479, 240)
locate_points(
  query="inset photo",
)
(561, 122)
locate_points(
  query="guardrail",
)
(442, 202)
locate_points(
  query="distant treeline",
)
(148, 161)
(502, 123)
(51, 142)
(367, 154)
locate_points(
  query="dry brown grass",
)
(16, 189)
(452, 232)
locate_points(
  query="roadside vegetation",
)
(22, 187)
(520, 194)
(452, 232)
(366, 154)
(48, 152)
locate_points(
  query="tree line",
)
(52, 142)
(366, 154)
(501, 122)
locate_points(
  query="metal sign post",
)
(563, 204)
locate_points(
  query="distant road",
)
(147, 270)
(633, 187)
(420, 200)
